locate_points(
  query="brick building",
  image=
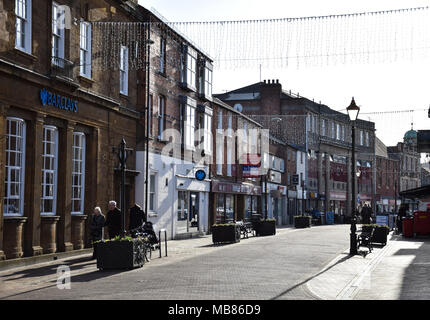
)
(325, 136)
(61, 116)
(180, 126)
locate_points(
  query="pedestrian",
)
(113, 220)
(96, 227)
(365, 214)
(400, 216)
(137, 217)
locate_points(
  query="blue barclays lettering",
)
(51, 99)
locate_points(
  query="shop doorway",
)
(188, 212)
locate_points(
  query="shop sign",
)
(275, 176)
(55, 100)
(251, 171)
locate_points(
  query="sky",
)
(396, 86)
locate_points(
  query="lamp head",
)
(353, 110)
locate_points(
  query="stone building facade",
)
(60, 117)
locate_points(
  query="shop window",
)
(49, 171)
(225, 208)
(124, 70)
(85, 51)
(78, 173)
(13, 204)
(23, 25)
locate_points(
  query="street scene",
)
(155, 150)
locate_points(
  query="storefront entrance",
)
(188, 212)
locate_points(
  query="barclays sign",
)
(55, 100)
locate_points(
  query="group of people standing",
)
(112, 221)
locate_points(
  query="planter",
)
(266, 228)
(126, 254)
(302, 221)
(380, 235)
(225, 233)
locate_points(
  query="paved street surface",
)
(274, 267)
(295, 264)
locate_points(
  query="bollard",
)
(165, 241)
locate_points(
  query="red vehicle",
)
(422, 222)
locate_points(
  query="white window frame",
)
(85, 49)
(18, 149)
(338, 132)
(53, 170)
(123, 71)
(152, 193)
(58, 34)
(23, 12)
(161, 116)
(207, 128)
(190, 124)
(80, 147)
(189, 67)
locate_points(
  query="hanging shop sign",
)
(48, 98)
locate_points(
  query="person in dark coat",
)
(400, 216)
(366, 213)
(113, 220)
(96, 227)
(137, 217)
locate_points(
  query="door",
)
(193, 219)
(183, 212)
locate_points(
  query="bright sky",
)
(398, 86)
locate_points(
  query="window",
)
(152, 199)
(338, 132)
(163, 55)
(78, 173)
(124, 70)
(367, 139)
(85, 54)
(230, 125)
(219, 147)
(49, 171)
(207, 137)
(190, 123)
(150, 108)
(57, 35)
(361, 138)
(13, 203)
(282, 165)
(333, 133)
(188, 68)
(323, 133)
(161, 117)
(23, 25)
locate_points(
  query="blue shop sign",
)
(55, 100)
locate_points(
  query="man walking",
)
(96, 227)
(113, 220)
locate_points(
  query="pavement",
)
(298, 264)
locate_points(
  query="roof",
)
(411, 134)
(417, 193)
(380, 148)
(226, 106)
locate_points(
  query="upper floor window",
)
(190, 123)
(323, 133)
(123, 69)
(58, 35)
(161, 116)
(206, 126)
(23, 25)
(338, 131)
(188, 68)
(361, 138)
(13, 201)
(205, 79)
(85, 53)
(367, 139)
(163, 55)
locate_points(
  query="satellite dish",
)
(238, 107)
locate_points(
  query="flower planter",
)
(127, 254)
(266, 228)
(302, 221)
(227, 233)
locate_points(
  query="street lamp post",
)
(353, 111)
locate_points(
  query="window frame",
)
(82, 146)
(57, 52)
(161, 116)
(26, 25)
(85, 52)
(21, 125)
(123, 70)
(152, 194)
(53, 171)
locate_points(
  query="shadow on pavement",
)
(74, 264)
(310, 278)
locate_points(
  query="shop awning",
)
(417, 193)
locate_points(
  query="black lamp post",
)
(353, 111)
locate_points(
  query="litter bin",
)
(408, 227)
(422, 222)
